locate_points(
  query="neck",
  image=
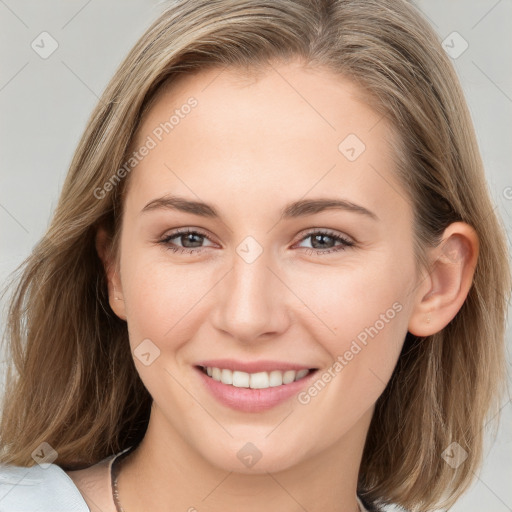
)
(166, 473)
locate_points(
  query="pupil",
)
(317, 237)
(189, 238)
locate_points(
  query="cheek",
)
(160, 297)
(360, 318)
(163, 310)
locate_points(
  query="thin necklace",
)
(115, 468)
(114, 473)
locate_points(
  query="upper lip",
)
(252, 366)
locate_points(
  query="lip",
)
(252, 367)
(253, 400)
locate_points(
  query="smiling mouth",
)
(259, 380)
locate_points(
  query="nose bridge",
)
(250, 303)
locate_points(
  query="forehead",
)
(285, 128)
(315, 93)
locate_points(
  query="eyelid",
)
(345, 241)
(312, 231)
(303, 234)
(183, 231)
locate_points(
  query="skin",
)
(251, 146)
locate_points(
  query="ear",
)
(115, 290)
(440, 295)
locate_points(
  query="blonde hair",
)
(73, 383)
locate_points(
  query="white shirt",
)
(35, 489)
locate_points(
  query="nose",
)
(251, 301)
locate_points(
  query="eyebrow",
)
(296, 209)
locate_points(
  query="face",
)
(302, 256)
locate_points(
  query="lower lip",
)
(253, 400)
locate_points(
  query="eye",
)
(324, 242)
(190, 239)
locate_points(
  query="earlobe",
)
(115, 293)
(441, 294)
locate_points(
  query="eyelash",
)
(345, 243)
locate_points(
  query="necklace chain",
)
(114, 473)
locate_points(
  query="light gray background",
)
(44, 105)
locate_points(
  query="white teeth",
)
(216, 373)
(226, 377)
(275, 378)
(289, 376)
(260, 380)
(301, 373)
(240, 379)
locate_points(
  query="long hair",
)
(72, 382)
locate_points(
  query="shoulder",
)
(95, 485)
(38, 489)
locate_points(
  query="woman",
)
(193, 344)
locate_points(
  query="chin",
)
(246, 457)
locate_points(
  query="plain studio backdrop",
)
(48, 90)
